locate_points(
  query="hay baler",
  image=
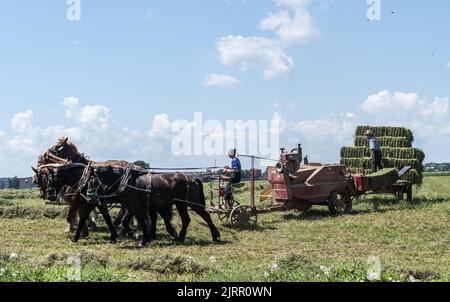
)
(300, 186)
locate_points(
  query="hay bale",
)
(383, 178)
(386, 131)
(413, 176)
(396, 147)
(400, 153)
(385, 141)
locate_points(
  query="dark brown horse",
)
(77, 176)
(161, 192)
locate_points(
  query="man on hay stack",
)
(375, 151)
(234, 175)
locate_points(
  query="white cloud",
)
(246, 52)
(71, 101)
(325, 130)
(293, 25)
(429, 120)
(321, 138)
(22, 122)
(220, 80)
(88, 115)
(161, 126)
(349, 115)
(384, 101)
(439, 107)
(402, 105)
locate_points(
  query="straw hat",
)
(369, 132)
(232, 152)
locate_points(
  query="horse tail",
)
(202, 193)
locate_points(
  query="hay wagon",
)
(297, 186)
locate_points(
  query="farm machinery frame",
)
(297, 186)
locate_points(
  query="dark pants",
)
(376, 161)
(229, 188)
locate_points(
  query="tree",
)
(142, 164)
(14, 183)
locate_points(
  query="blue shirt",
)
(374, 144)
(236, 164)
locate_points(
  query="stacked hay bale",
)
(397, 152)
(385, 176)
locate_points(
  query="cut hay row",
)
(385, 141)
(386, 131)
(366, 163)
(400, 153)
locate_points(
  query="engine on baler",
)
(300, 186)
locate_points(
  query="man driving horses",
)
(234, 174)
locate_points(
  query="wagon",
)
(294, 187)
(298, 185)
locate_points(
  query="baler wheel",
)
(340, 203)
(243, 217)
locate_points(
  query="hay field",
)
(412, 241)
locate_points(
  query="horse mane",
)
(70, 166)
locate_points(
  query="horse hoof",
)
(74, 240)
(131, 235)
(217, 240)
(113, 241)
(179, 241)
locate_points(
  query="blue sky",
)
(320, 66)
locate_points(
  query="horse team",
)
(85, 185)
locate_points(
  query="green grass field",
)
(411, 241)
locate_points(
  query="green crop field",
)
(411, 241)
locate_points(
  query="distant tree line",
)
(437, 167)
(10, 183)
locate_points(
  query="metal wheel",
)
(223, 204)
(243, 217)
(224, 216)
(340, 203)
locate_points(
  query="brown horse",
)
(158, 191)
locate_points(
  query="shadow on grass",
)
(260, 227)
(416, 202)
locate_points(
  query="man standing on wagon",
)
(234, 175)
(375, 151)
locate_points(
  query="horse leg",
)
(104, 211)
(120, 217)
(207, 218)
(185, 220)
(153, 221)
(167, 217)
(126, 224)
(141, 218)
(92, 222)
(71, 219)
(84, 212)
(84, 228)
